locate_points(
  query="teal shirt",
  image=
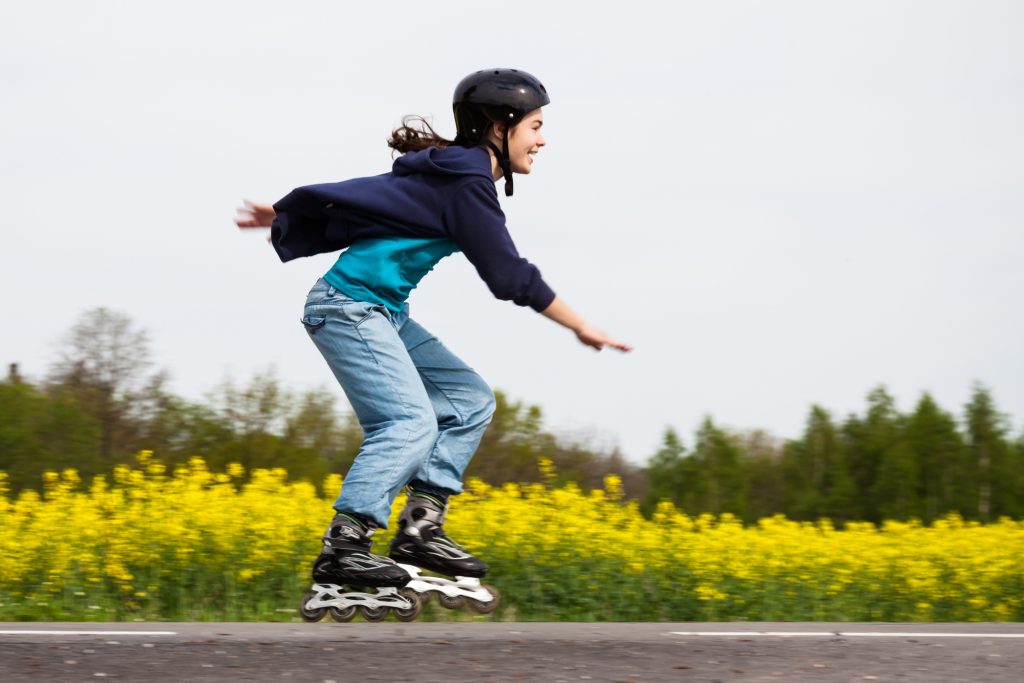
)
(385, 270)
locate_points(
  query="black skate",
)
(421, 543)
(346, 560)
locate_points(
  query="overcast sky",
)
(776, 203)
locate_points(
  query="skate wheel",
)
(342, 614)
(314, 614)
(451, 601)
(411, 613)
(374, 613)
(481, 607)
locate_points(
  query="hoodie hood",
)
(453, 160)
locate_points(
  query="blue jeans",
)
(423, 411)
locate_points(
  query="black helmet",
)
(490, 95)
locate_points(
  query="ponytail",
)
(406, 138)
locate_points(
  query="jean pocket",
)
(312, 323)
(370, 309)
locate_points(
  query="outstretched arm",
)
(560, 312)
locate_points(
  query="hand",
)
(254, 215)
(598, 339)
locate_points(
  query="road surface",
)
(327, 652)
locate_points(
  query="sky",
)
(778, 204)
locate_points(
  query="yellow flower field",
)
(194, 544)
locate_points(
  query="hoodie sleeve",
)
(475, 222)
(304, 225)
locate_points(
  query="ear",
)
(498, 129)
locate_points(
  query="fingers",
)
(253, 215)
(245, 218)
(256, 207)
(600, 343)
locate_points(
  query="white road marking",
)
(88, 633)
(930, 634)
(846, 634)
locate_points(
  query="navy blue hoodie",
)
(436, 192)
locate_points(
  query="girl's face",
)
(525, 140)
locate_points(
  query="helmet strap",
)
(506, 164)
(503, 162)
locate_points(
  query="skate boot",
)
(346, 561)
(421, 543)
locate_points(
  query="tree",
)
(13, 376)
(666, 473)
(326, 437)
(938, 449)
(254, 416)
(40, 431)
(765, 478)
(869, 442)
(1015, 480)
(896, 489)
(990, 459)
(104, 362)
(817, 479)
(718, 471)
(513, 444)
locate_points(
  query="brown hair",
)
(406, 138)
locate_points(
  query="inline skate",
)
(420, 543)
(343, 570)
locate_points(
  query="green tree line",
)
(883, 464)
(102, 401)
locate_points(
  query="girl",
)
(423, 410)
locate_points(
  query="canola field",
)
(149, 544)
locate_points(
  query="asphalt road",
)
(492, 651)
